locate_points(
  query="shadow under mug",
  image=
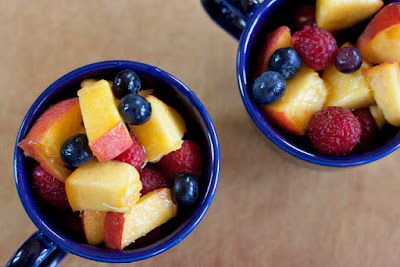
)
(249, 22)
(51, 242)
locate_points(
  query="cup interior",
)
(269, 16)
(63, 228)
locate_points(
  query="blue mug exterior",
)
(50, 244)
(250, 29)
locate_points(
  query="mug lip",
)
(121, 256)
(242, 63)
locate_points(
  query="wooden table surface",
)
(269, 210)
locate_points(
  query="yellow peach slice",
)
(162, 133)
(279, 38)
(103, 186)
(151, 211)
(384, 79)
(48, 134)
(350, 91)
(333, 15)
(91, 81)
(107, 134)
(93, 225)
(305, 94)
(376, 112)
(380, 41)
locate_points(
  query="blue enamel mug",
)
(57, 233)
(249, 21)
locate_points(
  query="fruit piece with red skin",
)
(134, 155)
(107, 134)
(368, 128)
(383, 79)
(304, 16)
(49, 188)
(317, 47)
(114, 230)
(151, 211)
(282, 120)
(379, 42)
(334, 130)
(44, 140)
(336, 15)
(186, 159)
(279, 38)
(105, 149)
(305, 94)
(151, 179)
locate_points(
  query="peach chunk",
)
(48, 134)
(279, 38)
(376, 112)
(103, 186)
(305, 94)
(384, 80)
(380, 41)
(93, 226)
(334, 15)
(107, 134)
(151, 211)
(350, 91)
(162, 133)
(90, 82)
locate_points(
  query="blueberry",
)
(286, 61)
(348, 60)
(126, 82)
(269, 87)
(134, 109)
(76, 151)
(185, 189)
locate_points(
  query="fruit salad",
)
(118, 156)
(330, 78)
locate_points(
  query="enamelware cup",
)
(58, 233)
(249, 22)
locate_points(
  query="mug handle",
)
(231, 15)
(37, 251)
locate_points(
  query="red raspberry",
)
(334, 130)
(134, 155)
(151, 179)
(368, 128)
(317, 47)
(186, 159)
(49, 188)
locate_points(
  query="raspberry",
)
(134, 155)
(368, 128)
(317, 47)
(334, 130)
(151, 179)
(186, 159)
(49, 188)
